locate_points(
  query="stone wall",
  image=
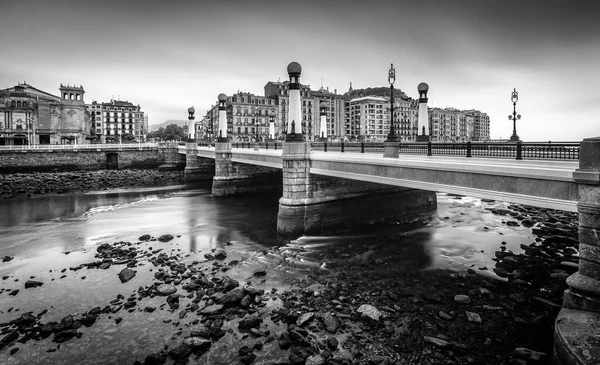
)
(32, 161)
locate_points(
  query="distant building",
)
(247, 118)
(118, 118)
(481, 125)
(369, 119)
(335, 113)
(31, 116)
(454, 125)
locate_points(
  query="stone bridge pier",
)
(168, 156)
(577, 330)
(313, 203)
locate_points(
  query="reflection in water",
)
(52, 233)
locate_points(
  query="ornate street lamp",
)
(514, 117)
(392, 137)
(191, 112)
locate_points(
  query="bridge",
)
(542, 182)
(557, 177)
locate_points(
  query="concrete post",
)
(168, 156)
(578, 323)
(323, 124)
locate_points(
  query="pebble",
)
(463, 299)
(473, 317)
(369, 311)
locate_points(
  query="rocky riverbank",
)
(349, 311)
(44, 183)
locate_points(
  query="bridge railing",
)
(520, 150)
(80, 147)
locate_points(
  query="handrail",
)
(75, 147)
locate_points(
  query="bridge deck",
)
(542, 183)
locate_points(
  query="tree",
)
(169, 133)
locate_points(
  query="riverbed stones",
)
(369, 311)
(463, 299)
(197, 343)
(33, 284)
(303, 319)
(7, 258)
(473, 317)
(165, 237)
(166, 289)
(180, 352)
(145, 237)
(331, 323)
(220, 254)
(126, 274)
(251, 322)
(436, 341)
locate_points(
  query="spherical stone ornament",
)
(222, 97)
(323, 105)
(191, 110)
(294, 68)
(423, 87)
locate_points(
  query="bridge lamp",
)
(392, 137)
(514, 117)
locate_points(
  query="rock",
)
(14, 292)
(156, 359)
(331, 323)
(211, 309)
(7, 258)
(126, 274)
(229, 283)
(197, 343)
(436, 341)
(369, 311)
(166, 289)
(445, 316)
(145, 237)
(332, 343)
(473, 317)
(501, 272)
(201, 331)
(66, 335)
(248, 359)
(250, 322)
(527, 354)
(232, 298)
(220, 254)
(260, 273)
(104, 247)
(33, 284)
(14, 350)
(512, 223)
(165, 238)
(315, 360)
(463, 299)
(180, 352)
(303, 319)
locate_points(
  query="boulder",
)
(126, 274)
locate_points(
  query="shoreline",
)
(35, 184)
(354, 311)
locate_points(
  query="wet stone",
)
(166, 289)
(473, 317)
(369, 311)
(305, 318)
(33, 284)
(165, 238)
(126, 274)
(463, 299)
(145, 237)
(331, 323)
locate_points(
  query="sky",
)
(169, 55)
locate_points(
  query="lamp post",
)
(392, 137)
(191, 112)
(514, 117)
(271, 125)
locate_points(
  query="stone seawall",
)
(38, 161)
(42, 183)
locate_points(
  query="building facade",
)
(454, 125)
(30, 116)
(117, 119)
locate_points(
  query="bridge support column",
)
(168, 156)
(192, 171)
(578, 324)
(297, 188)
(223, 169)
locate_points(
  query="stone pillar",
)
(168, 156)
(297, 188)
(294, 129)
(423, 134)
(223, 169)
(192, 170)
(271, 126)
(584, 286)
(578, 323)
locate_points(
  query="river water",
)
(49, 234)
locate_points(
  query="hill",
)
(376, 91)
(179, 122)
